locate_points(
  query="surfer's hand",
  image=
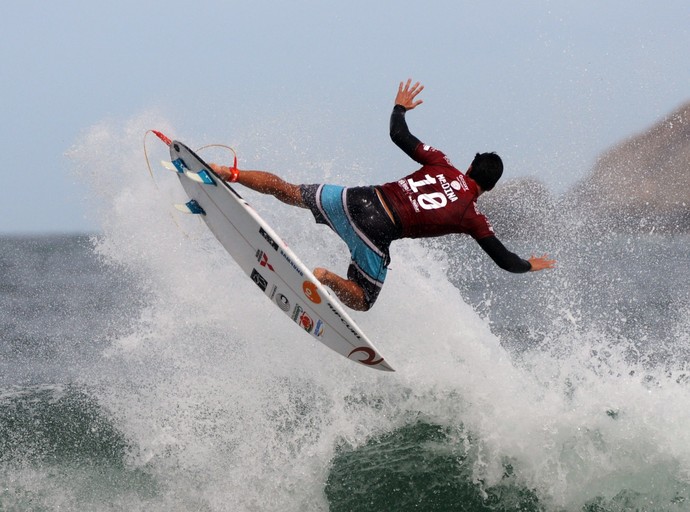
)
(406, 94)
(541, 263)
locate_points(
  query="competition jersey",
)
(437, 199)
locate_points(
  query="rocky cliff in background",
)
(644, 182)
(639, 185)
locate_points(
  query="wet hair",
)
(486, 170)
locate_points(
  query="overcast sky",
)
(549, 85)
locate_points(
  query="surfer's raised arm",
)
(399, 132)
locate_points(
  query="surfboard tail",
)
(369, 357)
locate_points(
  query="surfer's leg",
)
(268, 183)
(368, 266)
(349, 292)
(264, 182)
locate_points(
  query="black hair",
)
(486, 170)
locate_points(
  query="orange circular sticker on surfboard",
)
(311, 292)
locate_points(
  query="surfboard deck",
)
(267, 260)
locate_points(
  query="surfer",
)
(435, 200)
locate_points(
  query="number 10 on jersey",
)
(430, 201)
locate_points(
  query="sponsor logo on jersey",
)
(460, 184)
(415, 204)
(447, 188)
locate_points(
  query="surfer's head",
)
(486, 170)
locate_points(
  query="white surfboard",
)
(268, 261)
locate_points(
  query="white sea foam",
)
(232, 407)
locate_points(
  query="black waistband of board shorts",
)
(370, 215)
(389, 207)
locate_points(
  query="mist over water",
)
(562, 390)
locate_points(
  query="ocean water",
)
(140, 370)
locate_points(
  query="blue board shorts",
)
(360, 220)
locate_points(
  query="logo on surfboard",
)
(268, 238)
(370, 353)
(262, 258)
(303, 319)
(259, 280)
(311, 292)
(283, 302)
(294, 265)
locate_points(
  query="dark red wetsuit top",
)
(437, 199)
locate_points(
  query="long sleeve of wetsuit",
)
(400, 133)
(503, 257)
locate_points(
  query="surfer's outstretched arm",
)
(264, 182)
(510, 261)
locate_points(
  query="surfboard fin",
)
(169, 165)
(191, 207)
(200, 177)
(175, 166)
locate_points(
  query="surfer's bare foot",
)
(349, 292)
(226, 173)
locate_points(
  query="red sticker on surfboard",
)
(311, 292)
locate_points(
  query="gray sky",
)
(549, 85)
